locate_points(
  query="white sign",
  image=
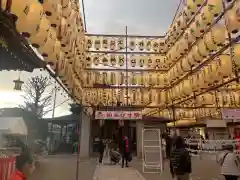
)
(230, 113)
(118, 115)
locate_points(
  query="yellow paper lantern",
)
(155, 45)
(202, 49)
(196, 55)
(18, 8)
(97, 43)
(148, 44)
(142, 61)
(121, 78)
(48, 47)
(194, 82)
(204, 75)
(183, 46)
(133, 60)
(53, 11)
(120, 43)
(105, 43)
(121, 60)
(113, 60)
(215, 7)
(132, 44)
(96, 60)
(190, 35)
(186, 67)
(236, 55)
(224, 65)
(105, 78)
(213, 76)
(233, 20)
(216, 37)
(150, 62)
(141, 45)
(190, 59)
(105, 60)
(181, 22)
(41, 37)
(66, 8)
(113, 44)
(89, 42)
(187, 89)
(186, 14)
(28, 24)
(192, 6)
(207, 17)
(133, 78)
(200, 26)
(54, 57)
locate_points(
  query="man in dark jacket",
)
(180, 161)
(101, 148)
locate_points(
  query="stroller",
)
(115, 157)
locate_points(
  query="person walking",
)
(230, 163)
(24, 166)
(180, 160)
(125, 151)
(101, 148)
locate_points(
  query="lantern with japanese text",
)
(224, 65)
(133, 60)
(113, 60)
(53, 11)
(192, 6)
(216, 37)
(155, 45)
(189, 35)
(66, 9)
(132, 44)
(185, 65)
(53, 58)
(105, 60)
(97, 78)
(105, 78)
(113, 78)
(28, 23)
(105, 43)
(121, 60)
(207, 17)
(120, 43)
(236, 55)
(159, 80)
(215, 7)
(48, 47)
(140, 78)
(233, 19)
(196, 55)
(61, 66)
(187, 90)
(121, 78)
(204, 76)
(97, 43)
(199, 25)
(181, 22)
(157, 62)
(141, 45)
(89, 42)
(88, 61)
(213, 76)
(148, 44)
(113, 44)
(41, 37)
(150, 62)
(202, 49)
(186, 14)
(183, 46)
(190, 59)
(141, 61)
(96, 60)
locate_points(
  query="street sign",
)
(118, 115)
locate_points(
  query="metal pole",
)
(79, 141)
(126, 51)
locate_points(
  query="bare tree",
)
(36, 98)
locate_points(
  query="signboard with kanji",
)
(116, 115)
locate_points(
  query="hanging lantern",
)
(141, 61)
(192, 6)
(186, 14)
(183, 46)
(112, 44)
(196, 55)
(140, 78)
(148, 44)
(28, 23)
(202, 49)
(213, 76)
(199, 26)
(224, 65)
(97, 77)
(203, 76)
(236, 55)
(121, 60)
(53, 12)
(105, 78)
(159, 79)
(215, 7)
(132, 44)
(190, 59)
(105, 43)
(41, 37)
(97, 43)
(121, 43)
(105, 60)
(121, 78)
(181, 22)
(187, 90)
(133, 61)
(18, 84)
(141, 45)
(189, 35)
(232, 18)
(66, 9)
(113, 78)
(72, 19)
(88, 61)
(113, 60)
(150, 63)
(157, 62)
(48, 47)
(53, 58)
(185, 65)
(89, 42)
(155, 46)
(216, 38)
(96, 60)
(133, 78)
(207, 17)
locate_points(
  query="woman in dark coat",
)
(101, 148)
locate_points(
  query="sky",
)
(152, 17)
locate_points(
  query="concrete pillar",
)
(139, 128)
(85, 130)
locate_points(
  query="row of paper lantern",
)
(202, 20)
(53, 27)
(111, 96)
(145, 79)
(221, 67)
(120, 60)
(118, 43)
